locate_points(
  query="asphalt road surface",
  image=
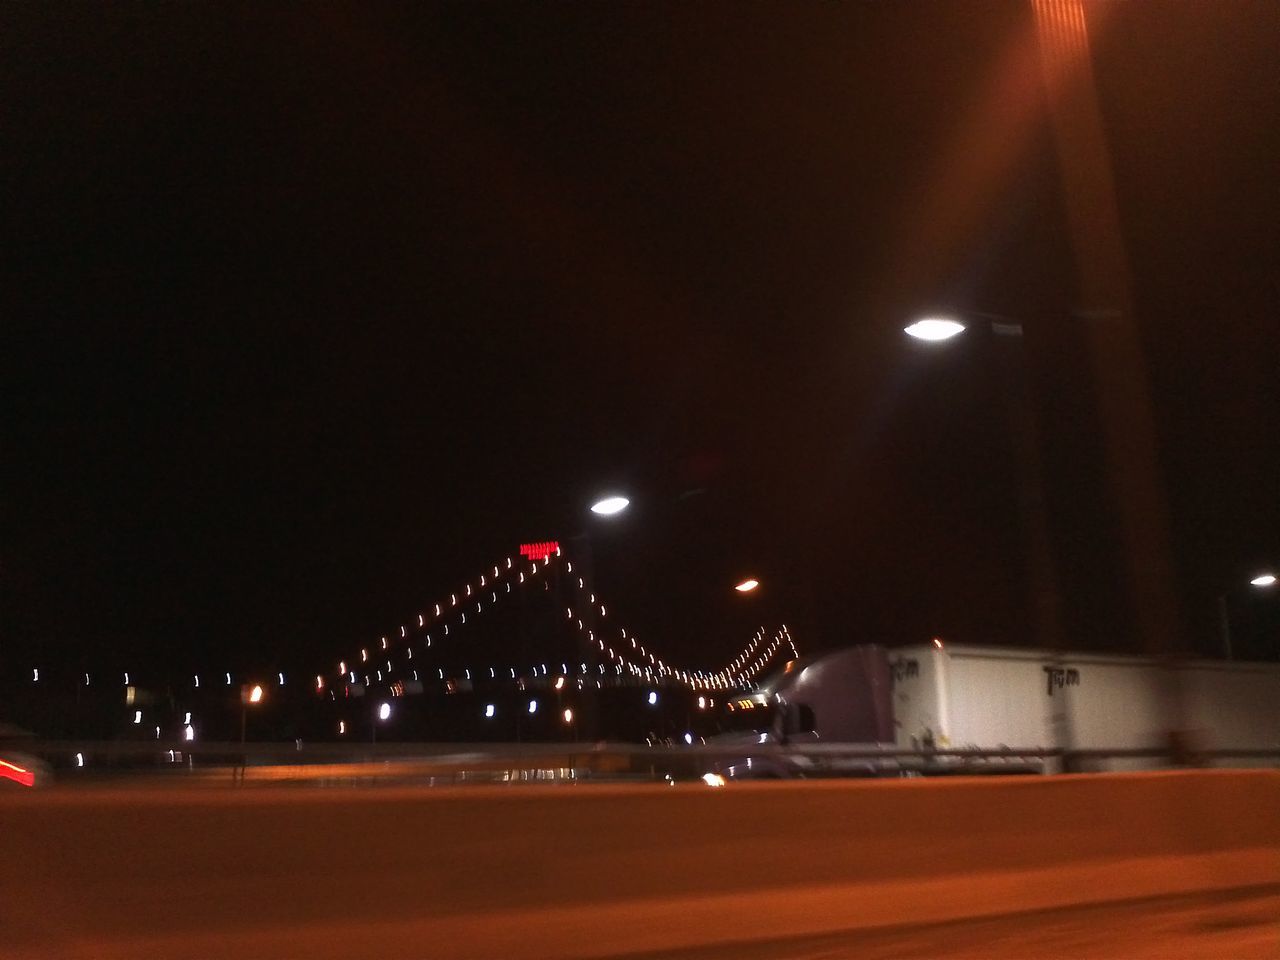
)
(1235, 925)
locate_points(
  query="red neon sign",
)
(539, 551)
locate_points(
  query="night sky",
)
(311, 312)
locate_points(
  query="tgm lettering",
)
(903, 668)
(1060, 677)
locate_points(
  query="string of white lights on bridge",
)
(642, 664)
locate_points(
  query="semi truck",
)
(939, 700)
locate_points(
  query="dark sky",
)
(312, 311)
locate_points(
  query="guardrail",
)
(523, 762)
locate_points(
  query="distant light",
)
(79, 759)
(384, 711)
(1264, 580)
(342, 727)
(196, 677)
(281, 676)
(653, 698)
(568, 716)
(187, 718)
(255, 695)
(533, 706)
(559, 683)
(746, 586)
(937, 642)
(188, 732)
(228, 679)
(489, 710)
(137, 716)
(540, 550)
(688, 738)
(35, 675)
(934, 329)
(713, 780)
(702, 703)
(610, 506)
(319, 682)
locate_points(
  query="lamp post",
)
(1019, 402)
(1263, 581)
(1020, 412)
(606, 507)
(381, 714)
(248, 694)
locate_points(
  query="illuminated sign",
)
(539, 551)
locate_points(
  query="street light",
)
(1263, 581)
(248, 695)
(610, 506)
(607, 507)
(1020, 406)
(934, 329)
(746, 586)
(1020, 411)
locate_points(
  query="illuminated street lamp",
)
(746, 586)
(610, 506)
(381, 714)
(1020, 405)
(934, 329)
(248, 694)
(1263, 581)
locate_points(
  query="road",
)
(1232, 925)
(1140, 865)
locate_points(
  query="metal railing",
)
(86, 761)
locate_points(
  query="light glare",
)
(934, 329)
(609, 506)
(746, 586)
(1264, 580)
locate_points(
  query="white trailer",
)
(990, 698)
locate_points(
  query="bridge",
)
(476, 639)
(523, 649)
(600, 651)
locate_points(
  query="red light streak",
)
(539, 551)
(17, 774)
